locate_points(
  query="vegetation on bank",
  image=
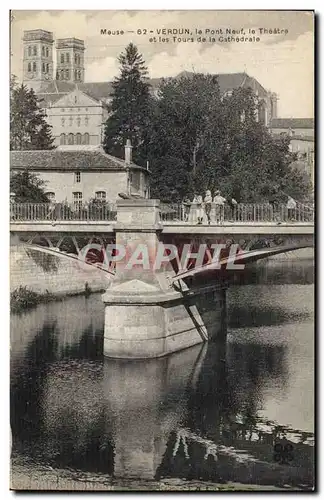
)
(22, 298)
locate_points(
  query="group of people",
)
(203, 206)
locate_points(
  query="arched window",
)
(47, 68)
(47, 52)
(35, 50)
(34, 67)
(78, 138)
(43, 67)
(67, 74)
(70, 139)
(29, 50)
(43, 51)
(29, 66)
(62, 58)
(67, 58)
(50, 195)
(62, 139)
(86, 138)
(100, 195)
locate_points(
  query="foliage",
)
(130, 106)
(28, 188)
(202, 140)
(23, 298)
(28, 126)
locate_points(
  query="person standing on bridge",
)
(219, 201)
(208, 204)
(200, 210)
(291, 207)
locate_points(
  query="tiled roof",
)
(292, 123)
(54, 90)
(57, 159)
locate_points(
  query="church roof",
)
(102, 91)
(67, 160)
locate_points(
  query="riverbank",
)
(28, 476)
(23, 299)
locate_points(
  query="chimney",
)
(128, 152)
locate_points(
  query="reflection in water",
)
(208, 412)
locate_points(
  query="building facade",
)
(77, 110)
(302, 140)
(77, 175)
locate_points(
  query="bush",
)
(22, 298)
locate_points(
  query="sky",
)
(282, 62)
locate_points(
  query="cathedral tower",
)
(70, 60)
(38, 58)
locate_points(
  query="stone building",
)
(77, 110)
(302, 140)
(76, 175)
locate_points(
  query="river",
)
(209, 413)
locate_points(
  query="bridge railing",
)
(242, 212)
(62, 212)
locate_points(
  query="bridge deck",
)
(168, 227)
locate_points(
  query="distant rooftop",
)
(67, 160)
(102, 91)
(292, 123)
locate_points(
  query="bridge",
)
(153, 310)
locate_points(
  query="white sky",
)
(281, 63)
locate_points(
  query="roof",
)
(292, 123)
(101, 91)
(67, 160)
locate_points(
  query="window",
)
(100, 195)
(77, 177)
(79, 75)
(62, 109)
(75, 99)
(62, 139)
(47, 68)
(78, 138)
(62, 74)
(77, 199)
(63, 122)
(57, 75)
(75, 59)
(47, 52)
(71, 121)
(86, 138)
(29, 51)
(67, 74)
(43, 51)
(62, 58)
(70, 139)
(29, 66)
(34, 67)
(78, 121)
(50, 195)
(43, 67)
(75, 74)
(67, 58)
(86, 121)
(35, 50)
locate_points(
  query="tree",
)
(130, 107)
(28, 188)
(28, 126)
(202, 140)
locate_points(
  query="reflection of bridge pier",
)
(148, 400)
(145, 317)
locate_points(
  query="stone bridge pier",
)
(144, 316)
